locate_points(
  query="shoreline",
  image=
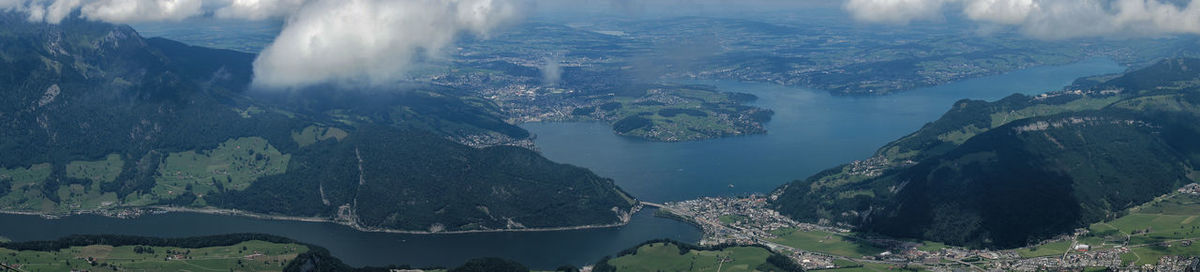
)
(624, 220)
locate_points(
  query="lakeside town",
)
(749, 220)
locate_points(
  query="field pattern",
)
(245, 256)
(1167, 226)
(231, 166)
(824, 242)
(666, 257)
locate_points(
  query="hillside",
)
(228, 252)
(97, 119)
(1021, 169)
(666, 255)
(241, 252)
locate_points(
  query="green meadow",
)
(666, 257)
(245, 256)
(1159, 228)
(824, 242)
(233, 165)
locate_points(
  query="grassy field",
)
(25, 191)
(868, 267)
(34, 174)
(1050, 249)
(79, 197)
(1154, 230)
(246, 256)
(313, 134)
(105, 170)
(666, 257)
(231, 166)
(679, 114)
(1081, 104)
(824, 242)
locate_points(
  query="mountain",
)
(95, 118)
(1021, 169)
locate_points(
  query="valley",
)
(647, 177)
(681, 143)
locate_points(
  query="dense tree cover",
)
(90, 89)
(5, 185)
(126, 240)
(776, 259)
(1165, 74)
(490, 265)
(670, 112)
(1024, 181)
(315, 259)
(411, 179)
(227, 69)
(630, 123)
(442, 110)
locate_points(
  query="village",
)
(750, 221)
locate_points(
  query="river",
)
(811, 130)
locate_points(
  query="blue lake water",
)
(811, 131)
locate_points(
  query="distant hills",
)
(1021, 169)
(95, 118)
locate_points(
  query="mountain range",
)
(96, 118)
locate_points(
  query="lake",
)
(811, 130)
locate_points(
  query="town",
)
(749, 220)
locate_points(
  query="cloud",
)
(369, 41)
(114, 11)
(894, 11)
(323, 41)
(125, 11)
(259, 9)
(1046, 19)
(1000, 11)
(551, 71)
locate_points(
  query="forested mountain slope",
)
(1021, 169)
(95, 118)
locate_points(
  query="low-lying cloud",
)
(1046, 19)
(116, 11)
(369, 41)
(551, 71)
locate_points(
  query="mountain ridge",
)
(1021, 169)
(98, 119)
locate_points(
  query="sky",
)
(374, 42)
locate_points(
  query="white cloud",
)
(551, 71)
(369, 41)
(894, 11)
(259, 9)
(115, 11)
(54, 12)
(1046, 19)
(341, 41)
(1000, 11)
(125, 11)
